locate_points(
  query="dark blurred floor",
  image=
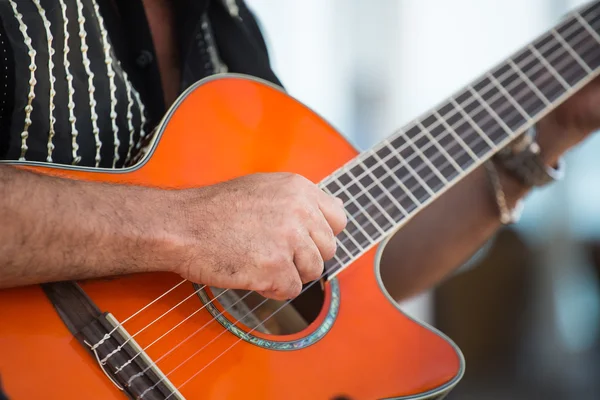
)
(492, 315)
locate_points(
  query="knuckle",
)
(265, 286)
(316, 271)
(295, 288)
(329, 247)
(273, 259)
(294, 235)
(301, 209)
(313, 268)
(284, 288)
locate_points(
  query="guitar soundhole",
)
(268, 317)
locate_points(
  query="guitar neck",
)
(386, 185)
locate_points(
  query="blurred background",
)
(526, 313)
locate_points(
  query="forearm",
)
(58, 229)
(451, 229)
(444, 235)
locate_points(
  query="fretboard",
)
(385, 186)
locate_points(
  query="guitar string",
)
(225, 350)
(430, 175)
(447, 148)
(393, 154)
(131, 337)
(384, 190)
(172, 329)
(166, 333)
(120, 324)
(246, 314)
(238, 340)
(582, 30)
(471, 100)
(224, 331)
(210, 321)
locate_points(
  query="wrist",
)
(552, 139)
(184, 222)
(147, 236)
(166, 239)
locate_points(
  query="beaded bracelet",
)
(507, 216)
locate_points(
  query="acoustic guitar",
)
(156, 336)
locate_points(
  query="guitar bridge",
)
(124, 361)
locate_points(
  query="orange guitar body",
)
(220, 129)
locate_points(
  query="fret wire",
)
(424, 158)
(528, 99)
(541, 97)
(390, 173)
(355, 232)
(571, 71)
(581, 47)
(546, 81)
(352, 218)
(580, 36)
(570, 50)
(549, 66)
(509, 97)
(588, 27)
(349, 233)
(364, 191)
(392, 170)
(409, 191)
(519, 72)
(360, 208)
(351, 236)
(492, 112)
(535, 68)
(439, 146)
(539, 66)
(419, 204)
(552, 56)
(336, 258)
(394, 176)
(474, 124)
(410, 169)
(341, 244)
(480, 134)
(452, 131)
(343, 247)
(383, 188)
(528, 81)
(359, 229)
